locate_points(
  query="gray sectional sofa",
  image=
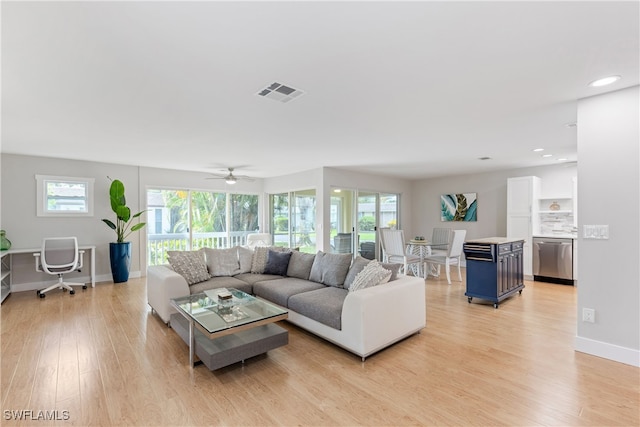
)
(360, 307)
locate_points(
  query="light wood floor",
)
(103, 357)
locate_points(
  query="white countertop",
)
(558, 235)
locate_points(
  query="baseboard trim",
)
(33, 286)
(605, 350)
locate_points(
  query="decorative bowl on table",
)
(419, 238)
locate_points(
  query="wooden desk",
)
(7, 262)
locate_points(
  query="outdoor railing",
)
(159, 244)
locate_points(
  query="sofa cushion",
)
(252, 278)
(189, 264)
(360, 263)
(330, 269)
(278, 291)
(300, 265)
(277, 263)
(259, 259)
(372, 275)
(221, 282)
(222, 262)
(245, 258)
(321, 305)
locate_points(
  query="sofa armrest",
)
(375, 317)
(164, 284)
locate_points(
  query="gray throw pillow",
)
(277, 263)
(300, 265)
(245, 257)
(189, 264)
(222, 262)
(330, 269)
(393, 267)
(356, 267)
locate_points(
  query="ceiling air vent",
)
(280, 92)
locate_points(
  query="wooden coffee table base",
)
(229, 349)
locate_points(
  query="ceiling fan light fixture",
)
(230, 180)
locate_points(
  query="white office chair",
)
(258, 239)
(452, 257)
(59, 256)
(395, 250)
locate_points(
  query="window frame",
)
(41, 196)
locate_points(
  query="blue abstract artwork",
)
(458, 207)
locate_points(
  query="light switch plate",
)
(596, 232)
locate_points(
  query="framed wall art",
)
(458, 207)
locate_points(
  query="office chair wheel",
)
(72, 292)
(84, 286)
(41, 295)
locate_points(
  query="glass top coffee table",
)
(216, 317)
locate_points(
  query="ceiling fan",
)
(230, 178)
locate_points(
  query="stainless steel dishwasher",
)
(553, 260)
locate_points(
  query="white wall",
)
(26, 230)
(491, 189)
(608, 193)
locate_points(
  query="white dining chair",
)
(452, 257)
(394, 249)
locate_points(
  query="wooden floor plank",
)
(105, 358)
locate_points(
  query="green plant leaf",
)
(110, 224)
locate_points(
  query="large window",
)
(355, 218)
(189, 220)
(293, 219)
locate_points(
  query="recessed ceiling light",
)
(604, 81)
(538, 149)
(547, 155)
(484, 158)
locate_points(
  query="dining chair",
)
(59, 256)
(394, 249)
(440, 240)
(258, 239)
(451, 257)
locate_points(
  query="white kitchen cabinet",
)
(522, 215)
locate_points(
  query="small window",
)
(64, 196)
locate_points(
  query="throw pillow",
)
(372, 275)
(356, 267)
(277, 263)
(189, 264)
(222, 262)
(300, 265)
(245, 256)
(394, 267)
(330, 269)
(259, 260)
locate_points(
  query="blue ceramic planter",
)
(120, 256)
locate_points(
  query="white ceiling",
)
(406, 89)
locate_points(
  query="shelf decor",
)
(458, 207)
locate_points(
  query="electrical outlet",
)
(588, 315)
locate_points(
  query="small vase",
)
(554, 206)
(5, 244)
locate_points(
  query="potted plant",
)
(120, 251)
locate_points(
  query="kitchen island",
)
(494, 268)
